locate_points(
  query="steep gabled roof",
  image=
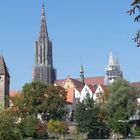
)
(77, 84)
(101, 89)
(92, 88)
(3, 67)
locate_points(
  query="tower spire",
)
(43, 70)
(113, 70)
(111, 59)
(43, 28)
(3, 67)
(4, 83)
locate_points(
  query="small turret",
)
(82, 74)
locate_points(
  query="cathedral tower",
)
(4, 84)
(43, 69)
(113, 70)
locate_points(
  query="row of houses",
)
(77, 91)
(93, 87)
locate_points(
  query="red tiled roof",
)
(92, 88)
(78, 85)
(59, 82)
(94, 80)
(135, 84)
(88, 80)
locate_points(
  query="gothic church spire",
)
(43, 28)
(43, 69)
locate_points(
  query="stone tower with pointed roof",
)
(43, 69)
(113, 70)
(4, 83)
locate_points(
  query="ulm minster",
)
(71, 98)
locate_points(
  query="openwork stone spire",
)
(43, 70)
(43, 29)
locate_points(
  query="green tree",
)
(121, 105)
(54, 105)
(57, 127)
(8, 126)
(28, 126)
(28, 102)
(136, 10)
(87, 118)
(136, 131)
(38, 98)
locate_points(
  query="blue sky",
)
(81, 30)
